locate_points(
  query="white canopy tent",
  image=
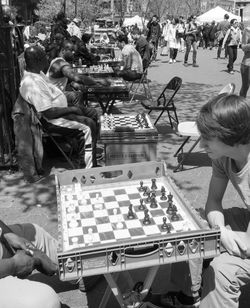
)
(135, 20)
(216, 14)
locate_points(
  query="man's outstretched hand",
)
(17, 242)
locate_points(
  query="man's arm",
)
(68, 72)
(55, 112)
(214, 211)
(234, 242)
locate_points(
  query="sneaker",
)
(231, 72)
(174, 61)
(179, 299)
(185, 64)
(195, 65)
(170, 61)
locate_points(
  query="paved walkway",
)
(36, 203)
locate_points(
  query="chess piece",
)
(141, 186)
(163, 195)
(175, 216)
(170, 208)
(148, 199)
(146, 220)
(170, 197)
(145, 191)
(90, 235)
(153, 203)
(165, 226)
(119, 224)
(141, 207)
(131, 214)
(153, 184)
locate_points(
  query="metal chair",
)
(189, 129)
(143, 80)
(165, 102)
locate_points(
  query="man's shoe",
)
(185, 64)
(174, 61)
(170, 61)
(195, 65)
(231, 72)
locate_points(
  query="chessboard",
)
(96, 70)
(107, 224)
(133, 122)
(130, 212)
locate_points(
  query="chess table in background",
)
(128, 138)
(101, 70)
(98, 235)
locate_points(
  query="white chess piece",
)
(119, 224)
(90, 235)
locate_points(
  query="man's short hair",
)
(225, 117)
(226, 16)
(34, 56)
(122, 38)
(136, 31)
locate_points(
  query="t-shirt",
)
(37, 91)
(55, 75)
(222, 168)
(132, 59)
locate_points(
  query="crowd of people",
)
(223, 123)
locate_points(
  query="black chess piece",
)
(141, 188)
(165, 226)
(153, 203)
(170, 208)
(175, 216)
(163, 189)
(170, 197)
(163, 195)
(145, 191)
(146, 220)
(148, 199)
(131, 214)
(141, 207)
(153, 186)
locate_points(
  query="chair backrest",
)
(169, 91)
(229, 88)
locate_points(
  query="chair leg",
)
(184, 157)
(182, 145)
(61, 150)
(159, 117)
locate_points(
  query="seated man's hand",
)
(42, 262)
(233, 243)
(103, 82)
(17, 242)
(23, 264)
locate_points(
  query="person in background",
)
(132, 67)
(222, 28)
(165, 34)
(173, 39)
(245, 63)
(142, 46)
(56, 110)
(224, 128)
(59, 26)
(154, 32)
(73, 28)
(82, 52)
(191, 32)
(232, 39)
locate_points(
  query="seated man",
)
(82, 51)
(19, 256)
(52, 104)
(142, 46)
(60, 72)
(132, 68)
(225, 135)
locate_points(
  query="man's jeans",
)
(190, 42)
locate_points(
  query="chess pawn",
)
(153, 184)
(141, 186)
(146, 220)
(141, 207)
(163, 195)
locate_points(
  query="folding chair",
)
(189, 129)
(143, 80)
(165, 102)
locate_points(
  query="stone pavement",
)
(21, 202)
